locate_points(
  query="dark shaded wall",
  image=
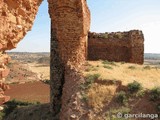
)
(117, 46)
(70, 22)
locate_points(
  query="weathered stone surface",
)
(69, 32)
(117, 46)
(17, 17)
(4, 71)
(70, 22)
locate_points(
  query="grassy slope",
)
(101, 95)
(147, 75)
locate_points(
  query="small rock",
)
(75, 103)
(19, 26)
(73, 116)
(1, 108)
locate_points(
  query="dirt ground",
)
(31, 92)
(42, 71)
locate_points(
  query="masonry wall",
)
(117, 46)
(70, 22)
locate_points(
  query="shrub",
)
(123, 62)
(132, 67)
(46, 81)
(84, 97)
(97, 66)
(89, 80)
(147, 67)
(155, 93)
(109, 63)
(91, 68)
(134, 87)
(13, 104)
(140, 93)
(121, 97)
(108, 67)
(2, 114)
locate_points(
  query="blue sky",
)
(106, 16)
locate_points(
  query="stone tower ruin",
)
(70, 22)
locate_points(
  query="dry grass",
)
(101, 95)
(43, 72)
(127, 73)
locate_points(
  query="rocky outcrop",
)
(16, 19)
(117, 46)
(4, 71)
(70, 22)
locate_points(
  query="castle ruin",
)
(70, 23)
(117, 46)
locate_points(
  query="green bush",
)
(89, 81)
(140, 93)
(123, 62)
(147, 67)
(132, 67)
(13, 104)
(108, 67)
(121, 97)
(84, 97)
(91, 78)
(46, 81)
(91, 68)
(2, 114)
(134, 87)
(155, 93)
(97, 66)
(109, 63)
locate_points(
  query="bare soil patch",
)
(31, 92)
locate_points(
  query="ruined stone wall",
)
(117, 46)
(16, 19)
(4, 71)
(137, 47)
(70, 22)
(70, 26)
